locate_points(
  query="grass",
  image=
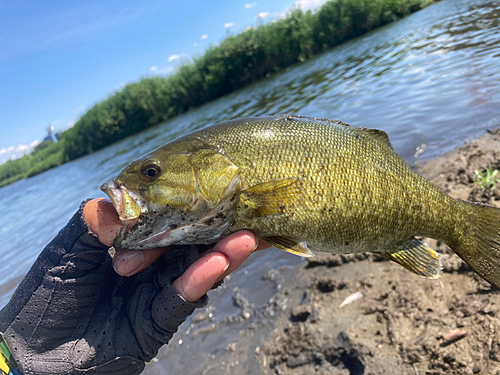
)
(487, 179)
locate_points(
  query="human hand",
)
(225, 257)
(73, 313)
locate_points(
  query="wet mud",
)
(360, 314)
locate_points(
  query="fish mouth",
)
(127, 203)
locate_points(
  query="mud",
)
(360, 314)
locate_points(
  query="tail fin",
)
(479, 247)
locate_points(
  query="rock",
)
(300, 360)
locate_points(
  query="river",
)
(431, 81)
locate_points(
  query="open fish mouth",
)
(127, 203)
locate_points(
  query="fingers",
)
(102, 219)
(130, 262)
(227, 255)
(237, 248)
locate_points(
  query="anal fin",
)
(417, 257)
(289, 245)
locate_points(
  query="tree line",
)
(237, 61)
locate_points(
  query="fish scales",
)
(300, 184)
(340, 181)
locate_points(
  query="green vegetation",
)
(486, 179)
(236, 62)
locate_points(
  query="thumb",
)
(103, 220)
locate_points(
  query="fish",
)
(301, 184)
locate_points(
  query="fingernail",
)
(126, 263)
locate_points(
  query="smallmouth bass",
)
(299, 184)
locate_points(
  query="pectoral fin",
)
(272, 197)
(418, 258)
(290, 246)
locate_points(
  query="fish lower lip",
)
(126, 202)
(114, 194)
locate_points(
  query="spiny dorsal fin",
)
(418, 258)
(379, 135)
(272, 197)
(289, 245)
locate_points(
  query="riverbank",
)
(359, 314)
(236, 62)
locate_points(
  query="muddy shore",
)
(360, 314)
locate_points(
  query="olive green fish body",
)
(353, 193)
(299, 183)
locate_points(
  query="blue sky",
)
(58, 58)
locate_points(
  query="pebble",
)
(452, 336)
(449, 357)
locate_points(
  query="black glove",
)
(73, 314)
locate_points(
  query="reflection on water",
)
(431, 81)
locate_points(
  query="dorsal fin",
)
(379, 135)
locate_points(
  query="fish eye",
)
(150, 171)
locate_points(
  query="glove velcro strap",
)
(8, 365)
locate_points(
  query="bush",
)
(236, 62)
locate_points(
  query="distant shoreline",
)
(238, 61)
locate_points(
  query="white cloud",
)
(302, 5)
(195, 44)
(174, 57)
(165, 70)
(260, 16)
(204, 36)
(250, 6)
(15, 152)
(153, 68)
(228, 25)
(80, 109)
(6, 150)
(308, 4)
